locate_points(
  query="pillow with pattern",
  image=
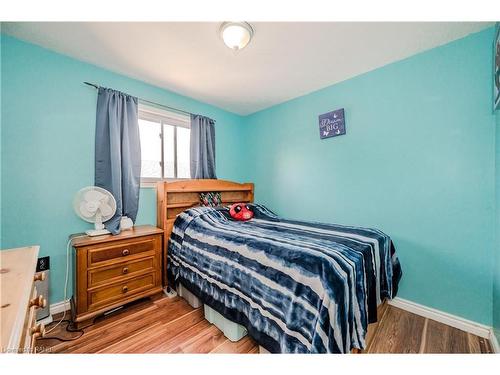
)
(211, 199)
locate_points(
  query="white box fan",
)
(95, 205)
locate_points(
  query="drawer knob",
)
(39, 276)
(125, 252)
(125, 289)
(38, 302)
(125, 270)
(38, 330)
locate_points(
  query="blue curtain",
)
(202, 147)
(118, 153)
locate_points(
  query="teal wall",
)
(0, 137)
(496, 268)
(417, 162)
(48, 123)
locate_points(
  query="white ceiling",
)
(284, 60)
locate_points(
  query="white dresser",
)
(19, 300)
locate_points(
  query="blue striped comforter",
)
(298, 287)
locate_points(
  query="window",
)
(165, 140)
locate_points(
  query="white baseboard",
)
(46, 321)
(55, 308)
(60, 307)
(494, 342)
(477, 329)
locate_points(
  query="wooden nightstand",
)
(110, 271)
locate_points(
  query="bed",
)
(297, 287)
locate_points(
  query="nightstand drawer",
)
(103, 275)
(108, 294)
(122, 250)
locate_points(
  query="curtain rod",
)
(146, 101)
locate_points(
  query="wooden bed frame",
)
(173, 197)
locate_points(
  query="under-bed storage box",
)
(231, 330)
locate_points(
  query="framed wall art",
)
(332, 124)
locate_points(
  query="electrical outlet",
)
(43, 264)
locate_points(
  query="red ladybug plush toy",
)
(241, 212)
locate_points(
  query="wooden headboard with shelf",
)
(176, 196)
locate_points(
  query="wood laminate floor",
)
(163, 325)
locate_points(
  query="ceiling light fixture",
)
(236, 35)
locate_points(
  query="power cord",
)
(68, 259)
(68, 329)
